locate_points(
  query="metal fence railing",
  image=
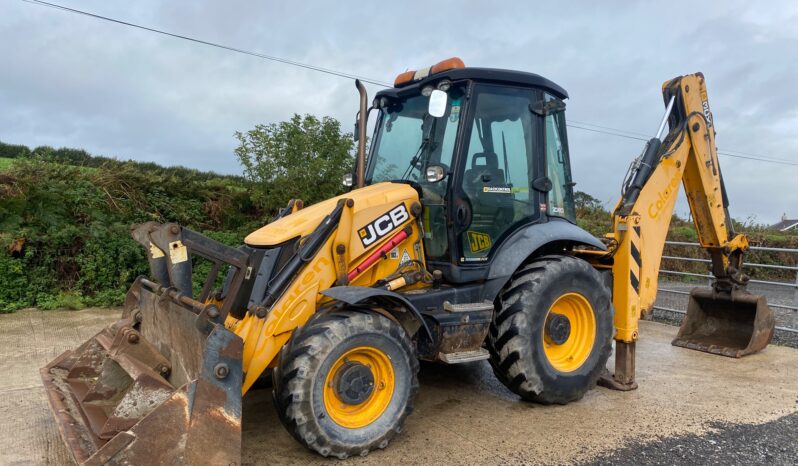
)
(782, 295)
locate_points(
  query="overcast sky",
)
(69, 80)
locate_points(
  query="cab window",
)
(560, 199)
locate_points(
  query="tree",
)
(591, 214)
(584, 201)
(303, 158)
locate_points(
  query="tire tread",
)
(307, 349)
(509, 337)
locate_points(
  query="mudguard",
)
(355, 295)
(523, 243)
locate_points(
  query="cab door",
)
(499, 164)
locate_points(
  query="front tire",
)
(552, 334)
(346, 382)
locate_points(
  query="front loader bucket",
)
(160, 386)
(730, 324)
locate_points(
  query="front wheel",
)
(552, 334)
(346, 382)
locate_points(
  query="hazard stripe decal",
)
(634, 251)
(636, 255)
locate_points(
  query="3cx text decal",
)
(383, 225)
(707, 113)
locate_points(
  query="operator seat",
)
(485, 172)
(490, 195)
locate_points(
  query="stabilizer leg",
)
(624, 377)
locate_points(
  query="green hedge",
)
(65, 218)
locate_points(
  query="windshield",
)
(401, 151)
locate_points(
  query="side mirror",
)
(357, 130)
(437, 103)
(435, 173)
(542, 184)
(347, 180)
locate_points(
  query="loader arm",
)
(643, 214)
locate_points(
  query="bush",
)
(65, 229)
(13, 151)
(65, 215)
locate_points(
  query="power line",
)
(779, 161)
(212, 44)
(571, 125)
(579, 124)
(736, 154)
(646, 136)
(755, 155)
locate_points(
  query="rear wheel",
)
(552, 334)
(346, 382)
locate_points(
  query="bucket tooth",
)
(731, 324)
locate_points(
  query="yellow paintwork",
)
(370, 202)
(571, 354)
(692, 163)
(362, 414)
(264, 337)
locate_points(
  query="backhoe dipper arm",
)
(644, 212)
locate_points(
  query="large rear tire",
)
(552, 333)
(346, 382)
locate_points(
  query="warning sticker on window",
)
(497, 189)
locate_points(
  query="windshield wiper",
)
(418, 160)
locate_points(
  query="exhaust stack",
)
(362, 116)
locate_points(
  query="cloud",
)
(74, 81)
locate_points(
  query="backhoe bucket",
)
(730, 324)
(160, 386)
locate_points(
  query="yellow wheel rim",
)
(356, 415)
(567, 351)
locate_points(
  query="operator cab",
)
(486, 147)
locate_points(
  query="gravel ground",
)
(771, 443)
(463, 414)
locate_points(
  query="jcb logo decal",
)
(383, 225)
(478, 242)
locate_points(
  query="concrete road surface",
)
(464, 416)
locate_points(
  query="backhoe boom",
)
(688, 156)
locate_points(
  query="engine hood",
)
(369, 203)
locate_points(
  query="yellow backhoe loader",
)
(457, 242)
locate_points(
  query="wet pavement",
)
(686, 401)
